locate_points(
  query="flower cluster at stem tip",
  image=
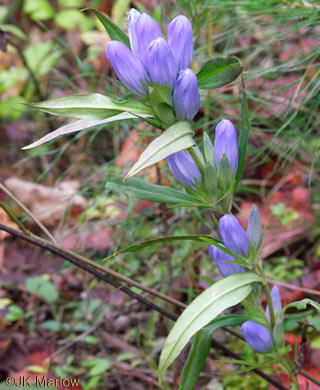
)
(152, 59)
(185, 169)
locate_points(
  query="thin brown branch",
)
(72, 258)
(294, 287)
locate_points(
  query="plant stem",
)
(310, 377)
(269, 301)
(14, 218)
(196, 159)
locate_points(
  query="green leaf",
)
(144, 244)
(38, 10)
(73, 19)
(112, 29)
(12, 107)
(96, 366)
(161, 94)
(247, 368)
(79, 125)
(200, 349)
(165, 113)
(177, 137)
(218, 72)
(300, 305)
(244, 136)
(148, 191)
(14, 30)
(208, 305)
(43, 288)
(90, 106)
(208, 149)
(15, 313)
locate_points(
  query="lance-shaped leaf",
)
(177, 137)
(244, 136)
(205, 308)
(112, 29)
(148, 191)
(218, 72)
(143, 244)
(79, 125)
(91, 106)
(300, 305)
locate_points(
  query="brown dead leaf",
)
(48, 204)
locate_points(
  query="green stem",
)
(270, 303)
(194, 155)
(14, 218)
(215, 219)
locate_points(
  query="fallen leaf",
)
(48, 204)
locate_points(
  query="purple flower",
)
(226, 143)
(127, 67)
(254, 228)
(276, 301)
(186, 97)
(161, 64)
(183, 168)
(132, 18)
(234, 237)
(180, 41)
(257, 336)
(221, 259)
(146, 30)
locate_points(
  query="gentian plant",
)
(157, 70)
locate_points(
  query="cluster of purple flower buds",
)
(237, 241)
(256, 335)
(152, 59)
(185, 169)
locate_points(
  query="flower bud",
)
(127, 66)
(226, 143)
(276, 301)
(162, 65)
(254, 229)
(132, 18)
(186, 97)
(257, 336)
(146, 30)
(183, 168)
(180, 41)
(221, 259)
(234, 237)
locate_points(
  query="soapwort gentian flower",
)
(180, 41)
(183, 168)
(256, 335)
(162, 65)
(127, 66)
(226, 143)
(186, 97)
(236, 240)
